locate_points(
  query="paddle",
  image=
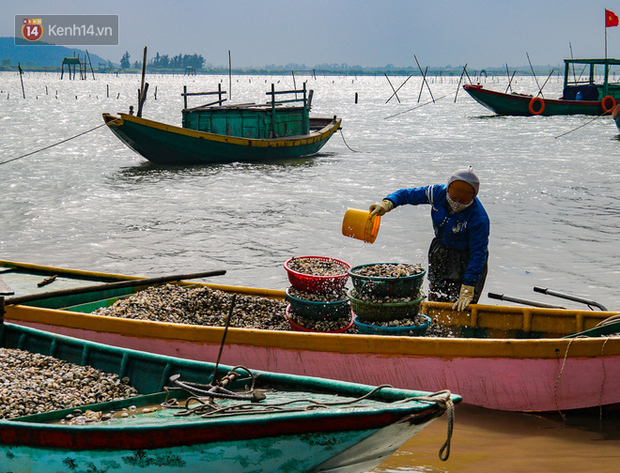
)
(112, 285)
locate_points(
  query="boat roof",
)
(603, 61)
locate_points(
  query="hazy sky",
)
(481, 33)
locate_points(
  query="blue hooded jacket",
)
(465, 230)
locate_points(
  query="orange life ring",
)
(531, 106)
(606, 99)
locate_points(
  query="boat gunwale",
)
(349, 344)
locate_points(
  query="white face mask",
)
(457, 206)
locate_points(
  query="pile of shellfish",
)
(31, 383)
(202, 305)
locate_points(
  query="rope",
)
(208, 408)
(414, 108)
(345, 142)
(581, 126)
(555, 388)
(51, 146)
(444, 400)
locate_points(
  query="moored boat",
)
(195, 416)
(214, 133)
(498, 357)
(581, 95)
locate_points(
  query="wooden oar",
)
(112, 285)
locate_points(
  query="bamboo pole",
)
(21, 73)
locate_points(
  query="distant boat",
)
(580, 95)
(216, 133)
(191, 416)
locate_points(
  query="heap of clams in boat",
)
(202, 305)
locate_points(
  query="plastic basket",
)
(318, 310)
(381, 311)
(300, 328)
(315, 283)
(410, 330)
(406, 286)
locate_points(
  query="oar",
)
(503, 297)
(112, 285)
(569, 297)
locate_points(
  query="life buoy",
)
(536, 100)
(608, 99)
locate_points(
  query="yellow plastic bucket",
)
(359, 224)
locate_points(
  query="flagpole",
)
(605, 34)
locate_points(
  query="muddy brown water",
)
(487, 441)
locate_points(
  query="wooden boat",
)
(580, 96)
(214, 133)
(193, 416)
(498, 357)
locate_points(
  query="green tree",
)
(125, 61)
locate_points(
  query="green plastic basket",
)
(405, 286)
(318, 310)
(410, 330)
(376, 311)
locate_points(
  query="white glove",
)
(465, 297)
(381, 208)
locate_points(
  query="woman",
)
(458, 255)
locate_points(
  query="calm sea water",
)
(554, 203)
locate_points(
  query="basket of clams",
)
(317, 297)
(386, 298)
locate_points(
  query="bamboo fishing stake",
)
(21, 78)
(423, 80)
(458, 86)
(401, 86)
(388, 79)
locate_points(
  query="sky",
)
(367, 33)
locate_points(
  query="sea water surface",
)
(551, 186)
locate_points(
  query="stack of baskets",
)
(377, 299)
(317, 292)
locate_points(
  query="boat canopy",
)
(580, 79)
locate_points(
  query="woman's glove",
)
(465, 297)
(381, 208)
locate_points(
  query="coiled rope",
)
(208, 408)
(52, 145)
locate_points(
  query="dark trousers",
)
(446, 270)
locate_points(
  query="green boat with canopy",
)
(589, 89)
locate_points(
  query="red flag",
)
(611, 19)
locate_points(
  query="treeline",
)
(180, 61)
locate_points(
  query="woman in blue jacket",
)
(458, 255)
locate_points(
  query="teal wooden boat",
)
(191, 416)
(217, 133)
(582, 94)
